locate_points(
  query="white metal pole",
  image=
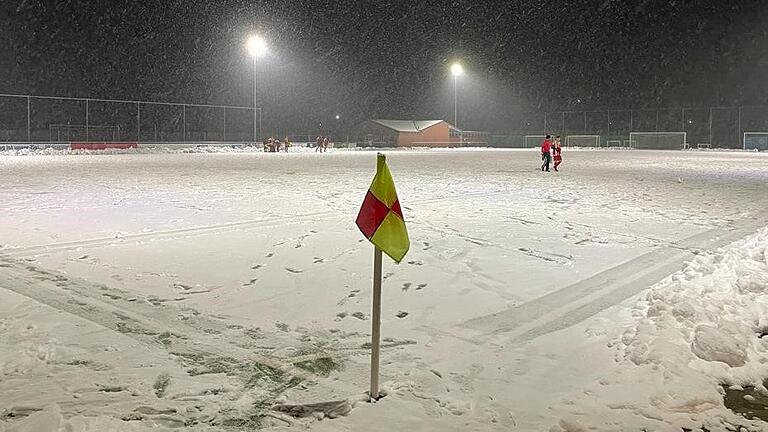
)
(376, 325)
(256, 121)
(455, 101)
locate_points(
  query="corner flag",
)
(380, 218)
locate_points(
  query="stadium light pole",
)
(456, 70)
(257, 47)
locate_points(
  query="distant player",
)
(326, 142)
(557, 150)
(546, 157)
(287, 144)
(319, 144)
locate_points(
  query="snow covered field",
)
(164, 291)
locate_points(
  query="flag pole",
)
(376, 325)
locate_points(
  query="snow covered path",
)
(120, 270)
(573, 304)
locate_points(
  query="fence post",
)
(225, 125)
(609, 128)
(562, 128)
(183, 122)
(657, 119)
(631, 122)
(682, 119)
(710, 126)
(87, 120)
(545, 122)
(138, 121)
(740, 137)
(585, 122)
(29, 121)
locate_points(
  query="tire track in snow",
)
(193, 335)
(198, 230)
(575, 303)
(267, 222)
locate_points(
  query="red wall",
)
(438, 135)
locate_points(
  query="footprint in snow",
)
(421, 287)
(294, 271)
(406, 286)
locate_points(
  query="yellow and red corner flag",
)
(380, 218)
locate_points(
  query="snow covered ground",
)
(142, 291)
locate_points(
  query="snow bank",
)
(154, 149)
(695, 332)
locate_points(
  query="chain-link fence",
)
(45, 119)
(716, 127)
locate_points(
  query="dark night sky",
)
(390, 58)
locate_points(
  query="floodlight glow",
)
(256, 46)
(338, 116)
(456, 69)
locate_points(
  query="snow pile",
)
(148, 149)
(695, 332)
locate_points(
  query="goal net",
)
(532, 141)
(582, 141)
(658, 140)
(756, 141)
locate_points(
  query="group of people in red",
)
(551, 149)
(274, 145)
(321, 144)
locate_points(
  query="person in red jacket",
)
(557, 150)
(546, 157)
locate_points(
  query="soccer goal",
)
(756, 141)
(532, 141)
(613, 143)
(582, 141)
(658, 140)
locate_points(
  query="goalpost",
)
(582, 141)
(532, 141)
(658, 140)
(756, 141)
